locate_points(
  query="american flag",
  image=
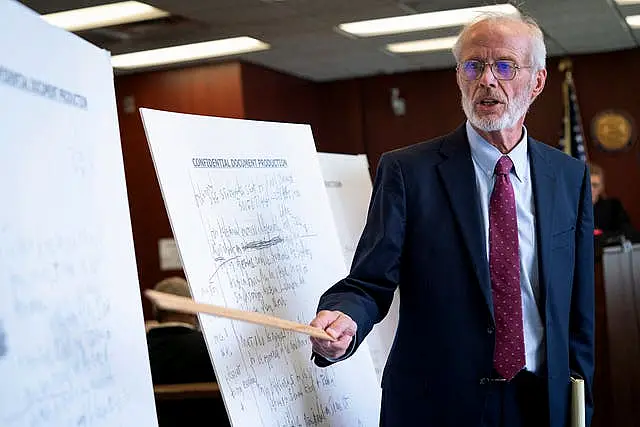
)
(572, 142)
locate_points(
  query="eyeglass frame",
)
(516, 68)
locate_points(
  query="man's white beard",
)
(515, 110)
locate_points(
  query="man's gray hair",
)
(538, 49)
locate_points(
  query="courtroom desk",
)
(602, 381)
(190, 405)
(621, 316)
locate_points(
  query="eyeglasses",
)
(502, 70)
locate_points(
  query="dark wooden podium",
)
(617, 381)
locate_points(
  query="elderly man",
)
(488, 233)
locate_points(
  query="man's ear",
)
(540, 81)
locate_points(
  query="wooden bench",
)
(193, 405)
(186, 391)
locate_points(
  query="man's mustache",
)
(485, 94)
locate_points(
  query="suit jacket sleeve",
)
(581, 319)
(366, 294)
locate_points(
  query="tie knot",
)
(504, 165)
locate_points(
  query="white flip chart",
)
(255, 232)
(72, 344)
(348, 185)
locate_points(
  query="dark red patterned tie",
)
(504, 267)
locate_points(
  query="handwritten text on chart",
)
(261, 257)
(72, 378)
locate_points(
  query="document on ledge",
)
(578, 413)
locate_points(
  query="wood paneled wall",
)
(432, 109)
(274, 96)
(339, 126)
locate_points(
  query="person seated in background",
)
(177, 349)
(610, 219)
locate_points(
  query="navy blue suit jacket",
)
(424, 233)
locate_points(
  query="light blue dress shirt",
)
(485, 156)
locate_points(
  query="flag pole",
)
(566, 66)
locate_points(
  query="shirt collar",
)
(486, 155)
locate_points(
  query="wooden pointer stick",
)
(187, 305)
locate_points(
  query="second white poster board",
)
(348, 184)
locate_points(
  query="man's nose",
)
(487, 78)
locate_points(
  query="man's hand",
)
(339, 326)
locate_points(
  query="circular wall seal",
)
(612, 130)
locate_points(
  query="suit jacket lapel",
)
(458, 174)
(544, 191)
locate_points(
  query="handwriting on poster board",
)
(263, 253)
